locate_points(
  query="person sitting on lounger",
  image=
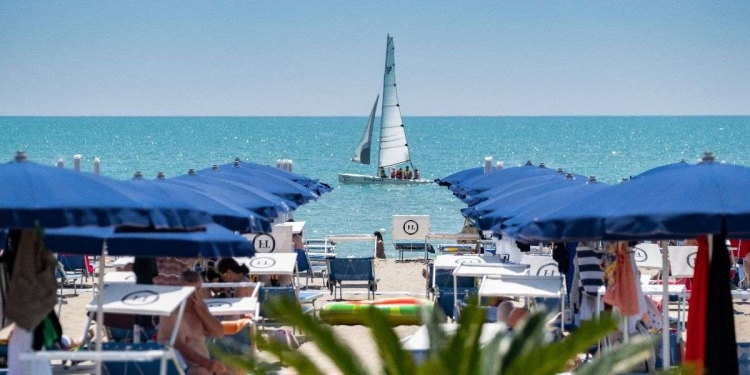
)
(232, 272)
(197, 324)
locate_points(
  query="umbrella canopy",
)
(680, 164)
(247, 197)
(517, 202)
(682, 202)
(478, 184)
(460, 176)
(213, 241)
(223, 212)
(521, 184)
(33, 194)
(269, 183)
(507, 221)
(312, 184)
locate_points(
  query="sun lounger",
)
(307, 268)
(74, 264)
(447, 298)
(66, 278)
(343, 271)
(443, 278)
(412, 247)
(268, 294)
(153, 366)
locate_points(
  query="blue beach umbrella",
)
(312, 184)
(672, 203)
(247, 197)
(33, 194)
(669, 202)
(269, 183)
(523, 183)
(490, 180)
(223, 212)
(460, 176)
(507, 221)
(209, 242)
(680, 164)
(488, 213)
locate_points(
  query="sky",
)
(325, 58)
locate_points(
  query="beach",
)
(397, 278)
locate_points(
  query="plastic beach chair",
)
(65, 277)
(344, 270)
(74, 264)
(133, 367)
(304, 266)
(267, 294)
(444, 279)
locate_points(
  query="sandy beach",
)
(396, 279)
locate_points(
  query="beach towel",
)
(622, 284)
(695, 347)
(590, 270)
(33, 287)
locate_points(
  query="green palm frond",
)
(529, 349)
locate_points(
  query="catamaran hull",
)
(361, 179)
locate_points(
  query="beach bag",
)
(33, 287)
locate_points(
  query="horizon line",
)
(358, 116)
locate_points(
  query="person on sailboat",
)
(407, 173)
(417, 176)
(393, 172)
(400, 173)
(381, 172)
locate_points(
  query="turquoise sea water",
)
(608, 147)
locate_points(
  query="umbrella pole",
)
(99, 307)
(665, 305)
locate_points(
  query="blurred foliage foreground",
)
(529, 349)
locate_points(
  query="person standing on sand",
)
(379, 246)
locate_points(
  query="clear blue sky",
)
(326, 58)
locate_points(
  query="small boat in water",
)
(394, 149)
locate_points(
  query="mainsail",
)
(362, 152)
(393, 146)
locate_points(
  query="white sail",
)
(362, 152)
(393, 146)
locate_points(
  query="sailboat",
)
(394, 149)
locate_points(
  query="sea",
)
(609, 148)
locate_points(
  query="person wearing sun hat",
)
(379, 245)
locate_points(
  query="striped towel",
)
(590, 270)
